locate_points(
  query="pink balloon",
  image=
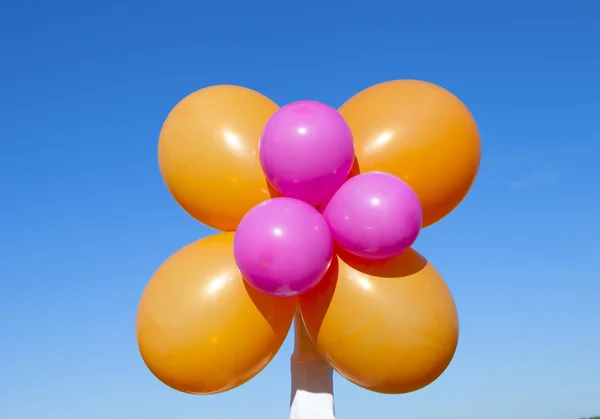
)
(306, 151)
(374, 216)
(283, 247)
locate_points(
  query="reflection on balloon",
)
(208, 154)
(389, 326)
(283, 247)
(200, 328)
(307, 151)
(374, 215)
(421, 133)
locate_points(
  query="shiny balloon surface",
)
(389, 326)
(374, 215)
(421, 133)
(306, 151)
(200, 328)
(208, 154)
(283, 247)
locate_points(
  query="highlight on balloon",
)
(319, 210)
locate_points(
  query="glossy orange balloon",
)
(421, 133)
(200, 328)
(208, 153)
(388, 326)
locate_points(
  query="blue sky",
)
(85, 218)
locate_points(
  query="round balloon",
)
(374, 215)
(208, 153)
(389, 326)
(283, 247)
(307, 151)
(421, 133)
(200, 328)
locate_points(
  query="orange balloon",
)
(200, 328)
(421, 133)
(208, 153)
(388, 326)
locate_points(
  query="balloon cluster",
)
(320, 209)
(284, 246)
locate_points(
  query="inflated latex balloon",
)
(374, 215)
(389, 326)
(208, 153)
(200, 328)
(421, 133)
(307, 151)
(283, 247)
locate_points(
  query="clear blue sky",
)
(85, 218)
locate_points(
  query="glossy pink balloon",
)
(306, 151)
(283, 247)
(374, 216)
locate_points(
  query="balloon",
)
(283, 247)
(200, 328)
(307, 151)
(421, 133)
(374, 216)
(389, 326)
(208, 153)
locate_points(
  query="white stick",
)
(312, 379)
